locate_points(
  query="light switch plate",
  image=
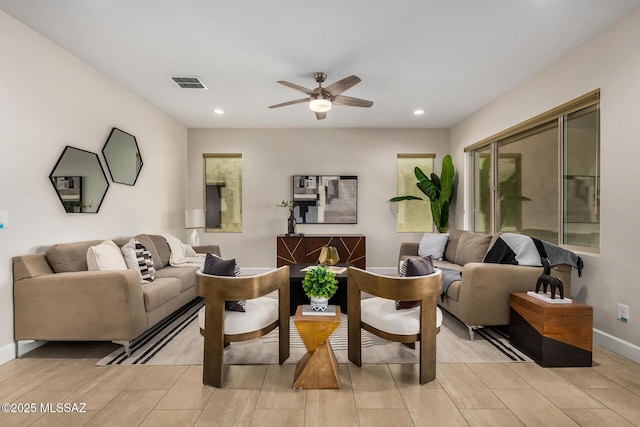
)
(4, 219)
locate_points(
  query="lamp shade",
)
(194, 218)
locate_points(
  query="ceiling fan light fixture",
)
(319, 105)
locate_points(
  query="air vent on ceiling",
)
(189, 82)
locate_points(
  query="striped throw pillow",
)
(145, 263)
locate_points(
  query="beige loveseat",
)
(481, 298)
(56, 298)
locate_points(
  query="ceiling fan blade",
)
(341, 85)
(321, 116)
(296, 87)
(284, 104)
(352, 102)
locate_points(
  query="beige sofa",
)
(56, 298)
(481, 298)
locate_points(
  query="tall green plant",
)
(438, 189)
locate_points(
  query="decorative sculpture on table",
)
(328, 255)
(547, 280)
(291, 221)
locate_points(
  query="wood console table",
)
(552, 334)
(306, 249)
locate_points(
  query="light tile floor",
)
(471, 394)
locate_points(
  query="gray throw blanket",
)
(448, 277)
(518, 249)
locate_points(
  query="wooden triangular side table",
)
(319, 367)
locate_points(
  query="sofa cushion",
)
(139, 258)
(187, 275)
(414, 267)
(146, 241)
(472, 247)
(452, 245)
(162, 290)
(66, 257)
(105, 256)
(216, 266)
(433, 244)
(164, 253)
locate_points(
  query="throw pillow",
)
(472, 247)
(164, 252)
(105, 256)
(216, 266)
(139, 258)
(452, 245)
(414, 267)
(433, 244)
(147, 242)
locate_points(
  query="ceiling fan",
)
(321, 99)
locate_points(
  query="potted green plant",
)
(319, 284)
(438, 189)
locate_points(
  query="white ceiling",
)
(448, 57)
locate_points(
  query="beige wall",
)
(610, 62)
(51, 99)
(271, 156)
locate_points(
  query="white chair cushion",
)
(381, 313)
(260, 313)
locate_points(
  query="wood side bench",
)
(552, 334)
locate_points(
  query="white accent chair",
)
(379, 316)
(263, 314)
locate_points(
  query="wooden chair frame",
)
(218, 289)
(426, 289)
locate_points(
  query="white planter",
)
(319, 303)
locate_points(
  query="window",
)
(516, 177)
(414, 215)
(482, 200)
(223, 192)
(581, 178)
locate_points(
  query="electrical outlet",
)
(623, 312)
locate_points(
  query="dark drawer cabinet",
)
(306, 249)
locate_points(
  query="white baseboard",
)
(7, 353)
(18, 349)
(617, 345)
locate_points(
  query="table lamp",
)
(194, 219)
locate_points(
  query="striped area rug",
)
(177, 341)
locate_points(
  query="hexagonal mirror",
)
(123, 157)
(79, 181)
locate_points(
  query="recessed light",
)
(418, 112)
(218, 111)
